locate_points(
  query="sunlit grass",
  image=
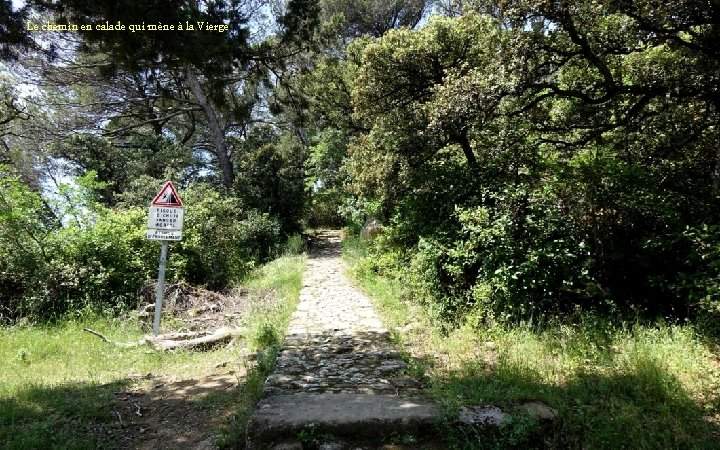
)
(614, 385)
(64, 353)
(57, 382)
(266, 329)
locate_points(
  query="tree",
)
(565, 150)
(13, 36)
(314, 97)
(212, 65)
(376, 17)
(271, 176)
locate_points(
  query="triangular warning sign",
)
(167, 197)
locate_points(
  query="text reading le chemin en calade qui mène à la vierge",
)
(119, 26)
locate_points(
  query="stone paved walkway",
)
(336, 344)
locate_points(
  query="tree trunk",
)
(462, 139)
(216, 130)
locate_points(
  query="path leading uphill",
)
(338, 380)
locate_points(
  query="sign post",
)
(165, 223)
(160, 289)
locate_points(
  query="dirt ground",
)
(178, 412)
(162, 413)
(186, 308)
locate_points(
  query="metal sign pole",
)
(164, 224)
(160, 289)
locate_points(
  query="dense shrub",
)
(25, 224)
(99, 258)
(592, 232)
(324, 178)
(532, 171)
(222, 241)
(102, 265)
(270, 179)
(324, 209)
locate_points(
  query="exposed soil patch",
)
(180, 411)
(163, 413)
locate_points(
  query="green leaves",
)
(547, 159)
(99, 257)
(222, 239)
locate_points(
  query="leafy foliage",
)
(526, 158)
(118, 165)
(25, 224)
(271, 177)
(375, 17)
(222, 241)
(548, 158)
(100, 258)
(12, 31)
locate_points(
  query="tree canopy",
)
(527, 158)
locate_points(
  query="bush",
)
(222, 240)
(325, 209)
(295, 245)
(73, 266)
(700, 282)
(101, 266)
(518, 189)
(270, 178)
(99, 258)
(25, 223)
(587, 231)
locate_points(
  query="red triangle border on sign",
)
(168, 185)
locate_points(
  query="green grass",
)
(614, 385)
(57, 382)
(266, 329)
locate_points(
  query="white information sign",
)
(163, 235)
(165, 218)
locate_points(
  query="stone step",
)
(338, 376)
(281, 419)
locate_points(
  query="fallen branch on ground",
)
(147, 310)
(115, 343)
(173, 341)
(219, 336)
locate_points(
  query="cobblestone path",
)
(336, 342)
(337, 373)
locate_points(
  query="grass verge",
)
(58, 383)
(626, 385)
(266, 329)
